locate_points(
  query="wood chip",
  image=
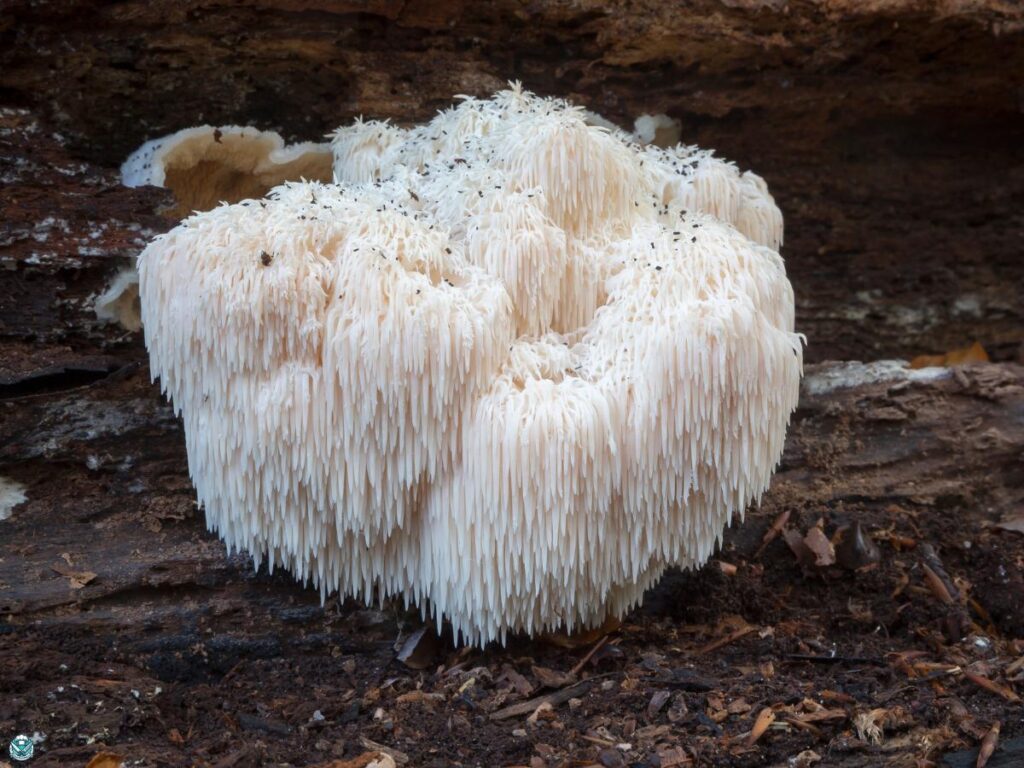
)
(764, 720)
(550, 678)
(992, 687)
(76, 579)
(399, 757)
(988, 745)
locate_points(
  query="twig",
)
(772, 533)
(730, 638)
(590, 654)
(554, 699)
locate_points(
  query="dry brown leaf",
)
(105, 760)
(764, 720)
(972, 354)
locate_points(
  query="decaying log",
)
(889, 132)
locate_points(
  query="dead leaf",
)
(972, 354)
(105, 760)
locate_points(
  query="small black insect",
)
(265, 258)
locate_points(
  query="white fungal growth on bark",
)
(510, 366)
(119, 302)
(207, 165)
(11, 495)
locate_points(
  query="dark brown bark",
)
(889, 131)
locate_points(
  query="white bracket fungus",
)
(207, 165)
(509, 365)
(119, 303)
(11, 495)
(660, 130)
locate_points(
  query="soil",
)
(868, 612)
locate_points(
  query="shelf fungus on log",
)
(509, 365)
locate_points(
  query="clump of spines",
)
(509, 366)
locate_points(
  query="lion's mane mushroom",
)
(510, 366)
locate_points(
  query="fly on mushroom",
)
(511, 423)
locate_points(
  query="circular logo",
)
(22, 748)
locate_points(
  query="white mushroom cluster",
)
(510, 365)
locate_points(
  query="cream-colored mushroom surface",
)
(510, 365)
